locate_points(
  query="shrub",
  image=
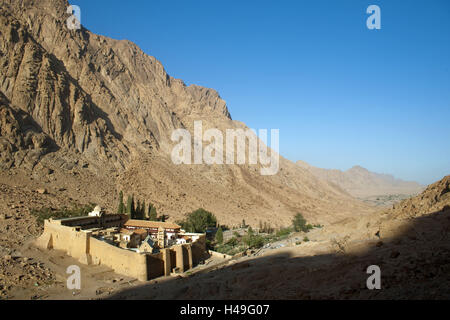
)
(219, 235)
(253, 241)
(283, 232)
(75, 211)
(226, 249)
(162, 218)
(299, 223)
(209, 245)
(232, 242)
(198, 221)
(340, 245)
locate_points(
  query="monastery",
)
(136, 248)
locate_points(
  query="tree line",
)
(138, 210)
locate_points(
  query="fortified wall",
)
(74, 236)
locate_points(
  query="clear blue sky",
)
(341, 94)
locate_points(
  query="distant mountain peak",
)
(360, 182)
(358, 168)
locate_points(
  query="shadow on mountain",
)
(414, 265)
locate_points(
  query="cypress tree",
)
(153, 214)
(149, 211)
(133, 208)
(129, 206)
(121, 208)
(138, 210)
(219, 235)
(142, 213)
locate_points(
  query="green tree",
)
(129, 206)
(121, 208)
(198, 221)
(133, 208)
(232, 242)
(142, 211)
(148, 211)
(219, 235)
(253, 241)
(299, 223)
(283, 232)
(137, 210)
(153, 214)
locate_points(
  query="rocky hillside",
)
(82, 106)
(435, 198)
(97, 96)
(362, 183)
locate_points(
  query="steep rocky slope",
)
(435, 198)
(362, 183)
(83, 105)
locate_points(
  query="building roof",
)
(151, 224)
(148, 242)
(140, 231)
(127, 232)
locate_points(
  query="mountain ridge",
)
(362, 183)
(86, 105)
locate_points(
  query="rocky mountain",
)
(362, 183)
(98, 114)
(83, 116)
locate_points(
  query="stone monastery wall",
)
(64, 235)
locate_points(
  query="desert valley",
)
(84, 117)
